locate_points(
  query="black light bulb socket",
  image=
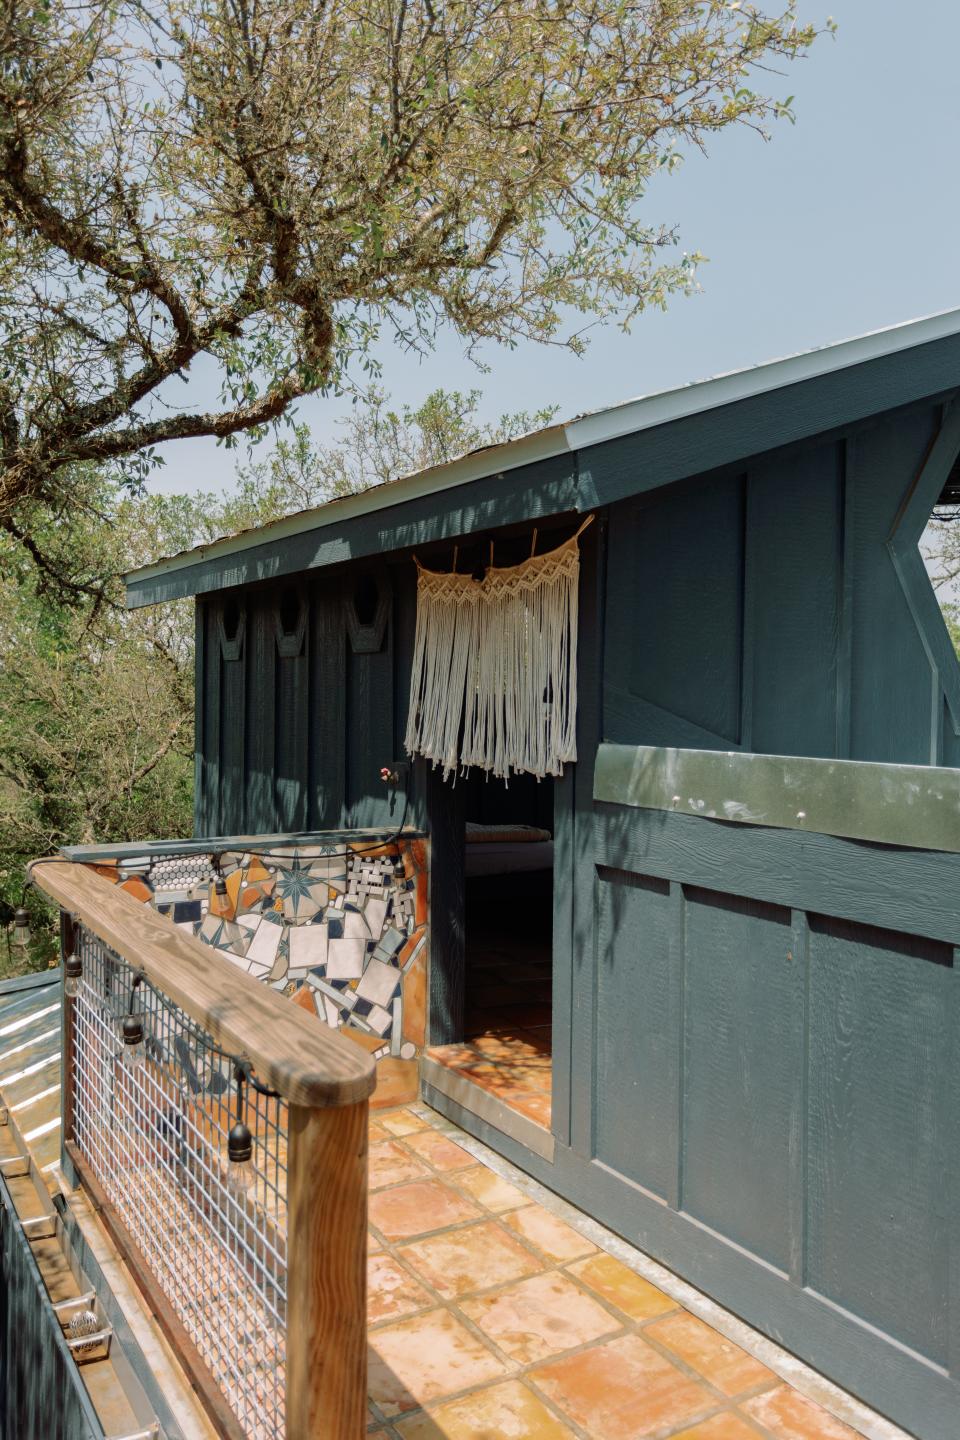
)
(220, 886)
(21, 917)
(132, 1030)
(73, 967)
(239, 1144)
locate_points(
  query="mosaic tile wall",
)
(340, 929)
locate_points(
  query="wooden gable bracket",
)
(231, 627)
(366, 612)
(290, 617)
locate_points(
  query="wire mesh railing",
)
(154, 1102)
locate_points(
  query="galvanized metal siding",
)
(293, 724)
(42, 1396)
(782, 607)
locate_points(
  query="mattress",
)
(508, 857)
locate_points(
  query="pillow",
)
(485, 834)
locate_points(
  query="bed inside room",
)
(508, 919)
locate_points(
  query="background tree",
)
(96, 703)
(941, 552)
(265, 184)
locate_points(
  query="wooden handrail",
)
(309, 1064)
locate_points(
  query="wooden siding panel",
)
(370, 738)
(743, 1053)
(260, 715)
(674, 613)
(787, 623)
(326, 722)
(817, 1104)
(208, 806)
(794, 558)
(231, 727)
(879, 1220)
(639, 963)
(292, 719)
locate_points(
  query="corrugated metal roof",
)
(30, 1061)
(592, 428)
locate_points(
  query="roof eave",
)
(631, 417)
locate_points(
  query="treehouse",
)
(598, 791)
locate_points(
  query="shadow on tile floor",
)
(493, 1319)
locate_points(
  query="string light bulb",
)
(73, 973)
(21, 927)
(220, 898)
(241, 1171)
(133, 1046)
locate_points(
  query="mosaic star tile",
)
(344, 935)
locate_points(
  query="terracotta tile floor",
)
(510, 1061)
(507, 1049)
(491, 1318)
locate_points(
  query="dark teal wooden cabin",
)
(753, 960)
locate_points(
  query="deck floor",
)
(498, 1313)
(508, 1034)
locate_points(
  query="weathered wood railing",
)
(277, 1350)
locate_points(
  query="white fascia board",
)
(652, 410)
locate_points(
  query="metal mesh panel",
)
(154, 1133)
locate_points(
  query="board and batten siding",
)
(782, 606)
(296, 711)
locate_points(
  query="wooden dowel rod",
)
(326, 1392)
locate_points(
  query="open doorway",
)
(508, 944)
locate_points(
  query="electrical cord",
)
(242, 1066)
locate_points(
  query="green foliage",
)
(951, 613)
(941, 552)
(96, 703)
(270, 188)
(378, 442)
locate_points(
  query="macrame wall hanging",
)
(494, 679)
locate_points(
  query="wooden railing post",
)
(326, 1392)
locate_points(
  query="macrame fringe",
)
(494, 680)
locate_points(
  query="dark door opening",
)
(508, 944)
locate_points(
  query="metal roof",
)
(30, 1061)
(593, 428)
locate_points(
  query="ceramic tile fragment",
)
(379, 982)
(308, 945)
(265, 943)
(345, 959)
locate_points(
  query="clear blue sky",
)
(845, 222)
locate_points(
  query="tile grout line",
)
(795, 1372)
(521, 1371)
